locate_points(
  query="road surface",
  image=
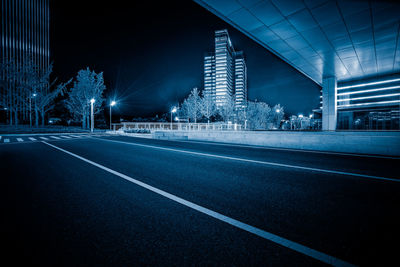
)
(109, 200)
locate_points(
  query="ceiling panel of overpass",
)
(349, 39)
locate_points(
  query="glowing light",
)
(311, 115)
(92, 100)
(370, 90)
(371, 103)
(300, 115)
(176, 118)
(368, 84)
(173, 110)
(34, 94)
(113, 103)
(368, 97)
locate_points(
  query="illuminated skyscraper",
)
(24, 38)
(25, 31)
(225, 72)
(240, 80)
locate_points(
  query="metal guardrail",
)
(177, 126)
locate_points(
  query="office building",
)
(225, 73)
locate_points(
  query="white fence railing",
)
(177, 126)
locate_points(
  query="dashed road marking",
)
(6, 140)
(20, 140)
(32, 139)
(55, 137)
(44, 138)
(64, 136)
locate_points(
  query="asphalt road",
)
(123, 201)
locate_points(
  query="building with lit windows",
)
(225, 73)
(240, 80)
(24, 34)
(25, 31)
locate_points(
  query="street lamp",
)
(30, 108)
(172, 111)
(111, 105)
(278, 110)
(91, 115)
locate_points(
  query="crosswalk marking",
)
(59, 137)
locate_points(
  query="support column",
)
(329, 108)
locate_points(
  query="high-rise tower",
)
(225, 72)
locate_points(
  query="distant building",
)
(25, 31)
(225, 72)
(24, 38)
(240, 80)
(209, 75)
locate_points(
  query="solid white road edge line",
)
(286, 149)
(241, 225)
(256, 161)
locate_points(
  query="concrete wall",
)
(381, 143)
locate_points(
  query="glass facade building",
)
(25, 31)
(24, 34)
(240, 81)
(225, 73)
(372, 104)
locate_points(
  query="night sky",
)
(151, 54)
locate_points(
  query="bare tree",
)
(258, 114)
(88, 85)
(207, 107)
(23, 83)
(191, 105)
(227, 110)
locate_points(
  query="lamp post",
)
(91, 115)
(172, 111)
(30, 108)
(111, 105)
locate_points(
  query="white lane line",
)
(44, 138)
(241, 225)
(256, 161)
(0, 137)
(6, 140)
(55, 137)
(64, 136)
(20, 140)
(32, 139)
(287, 149)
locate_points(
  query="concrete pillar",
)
(329, 108)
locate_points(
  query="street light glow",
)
(113, 103)
(92, 100)
(176, 118)
(34, 94)
(300, 115)
(278, 110)
(173, 110)
(311, 115)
